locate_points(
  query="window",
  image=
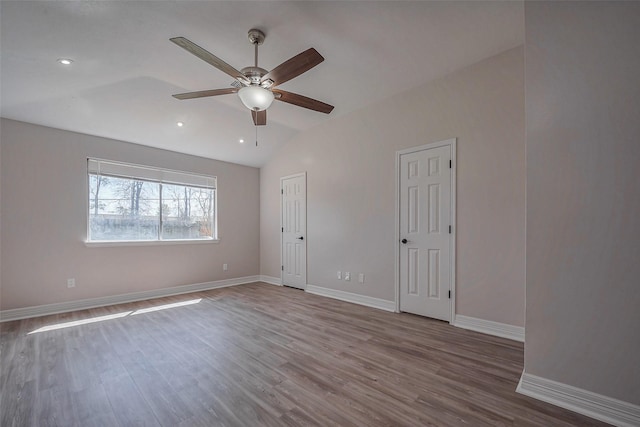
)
(129, 203)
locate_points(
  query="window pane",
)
(187, 212)
(123, 209)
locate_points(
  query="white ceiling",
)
(126, 70)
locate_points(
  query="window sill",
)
(114, 243)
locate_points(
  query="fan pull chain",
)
(256, 135)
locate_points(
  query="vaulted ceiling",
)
(125, 69)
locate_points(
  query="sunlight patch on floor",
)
(166, 306)
(113, 316)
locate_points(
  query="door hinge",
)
(449, 164)
(283, 229)
(281, 191)
(449, 229)
(449, 294)
(282, 267)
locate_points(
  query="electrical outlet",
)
(71, 283)
(361, 277)
(225, 267)
(340, 275)
(347, 276)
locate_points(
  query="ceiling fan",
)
(256, 86)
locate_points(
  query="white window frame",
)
(156, 175)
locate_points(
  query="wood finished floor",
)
(261, 355)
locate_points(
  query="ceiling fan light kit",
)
(255, 98)
(255, 85)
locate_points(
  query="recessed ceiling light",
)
(65, 61)
(241, 141)
(180, 124)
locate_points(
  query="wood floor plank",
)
(56, 407)
(92, 407)
(128, 405)
(260, 355)
(21, 395)
(165, 403)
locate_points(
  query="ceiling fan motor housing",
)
(254, 74)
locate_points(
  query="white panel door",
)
(425, 239)
(294, 230)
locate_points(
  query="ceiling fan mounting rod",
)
(256, 37)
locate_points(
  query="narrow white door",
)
(425, 239)
(294, 230)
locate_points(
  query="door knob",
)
(300, 238)
(404, 241)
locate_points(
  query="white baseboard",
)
(603, 408)
(378, 303)
(271, 280)
(503, 330)
(63, 307)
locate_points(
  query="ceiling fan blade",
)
(259, 117)
(294, 67)
(302, 101)
(204, 93)
(206, 56)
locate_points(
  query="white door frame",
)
(448, 143)
(283, 178)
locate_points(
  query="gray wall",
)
(583, 195)
(350, 165)
(1, 122)
(43, 214)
